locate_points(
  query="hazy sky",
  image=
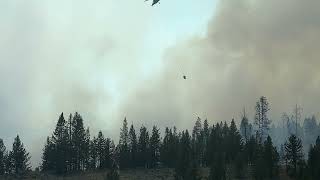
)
(108, 59)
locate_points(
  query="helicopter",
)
(154, 2)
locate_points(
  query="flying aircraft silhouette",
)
(154, 2)
(184, 77)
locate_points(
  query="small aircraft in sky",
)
(184, 77)
(154, 2)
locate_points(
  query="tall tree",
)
(198, 143)
(261, 118)
(184, 160)
(124, 145)
(20, 157)
(78, 142)
(271, 158)
(133, 147)
(297, 117)
(48, 156)
(154, 146)
(70, 154)
(60, 140)
(234, 143)
(143, 147)
(206, 135)
(100, 148)
(164, 150)
(86, 150)
(293, 155)
(314, 160)
(311, 130)
(109, 148)
(2, 157)
(245, 128)
(93, 153)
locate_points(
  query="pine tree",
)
(184, 167)
(310, 130)
(271, 158)
(293, 155)
(245, 128)
(143, 147)
(100, 148)
(261, 118)
(198, 143)
(164, 150)
(314, 160)
(108, 152)
(154, 146)
(124, 145)
(70, 154)
(19, 157)
(9, 166)
(48, 156)
(234, 143)
(101, 151)
(250, 149)
(60, 140)
(78, 142)
(133, 146)
(93, 153)
(206, 134)
(2, 157)
(86, 150)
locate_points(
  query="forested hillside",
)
(221, 149)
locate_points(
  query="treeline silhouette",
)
(221, 147)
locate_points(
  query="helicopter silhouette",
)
(154, 2)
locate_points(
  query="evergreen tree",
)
(184, 169)
(261, 118)
(250, 149)
(70, 154)
(198, 143)
(9, 166)
(60, 140)
(78, 142)
(293, 155)
(271, 158)
(100, 148)
(310, 130)
(109, 146)
(206, 134)
(314, 160)
(124, 145)
(93, 153)
(133, 145)
(143, 147)
(3, 153)
(164, 150)
(169, 148)
(245, 128)
(154, 146)
(101, 151)
(234, 143)
(19, 157)
(48, 156)
(86, 150)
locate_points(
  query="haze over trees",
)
(223, 148)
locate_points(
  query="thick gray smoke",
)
(69, 56)
(252, 48)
